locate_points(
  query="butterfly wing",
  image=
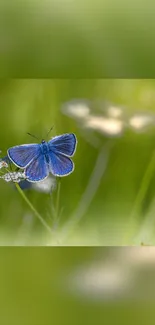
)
(37, 170)
(65, 144)
(59, 164)
(22, 155)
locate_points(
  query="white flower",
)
(13, 176)
(3, 164)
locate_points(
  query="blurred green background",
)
(82, 285)
(77, 39)
(109, 199)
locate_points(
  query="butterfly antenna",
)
(49, 131)
(32, 135)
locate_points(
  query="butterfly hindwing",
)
(65, 144)
(37, 170)
(22, 155)
(60, 165)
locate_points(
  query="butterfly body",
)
(45, 150)
(38, 160)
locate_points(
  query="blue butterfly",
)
(38, 160)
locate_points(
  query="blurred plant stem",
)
(133, 224)
(56, 206)
(33, 209)
(91, 189)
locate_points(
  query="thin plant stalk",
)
(33, 209)
(56, 206)
(135, 213)
(90, 191)
(57, 200)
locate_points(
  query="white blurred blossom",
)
(137, 256)
(102, 280)
(76, 109)
(140, 121)
(46, 186)
(107, 118)
(105, 125)
(122, 274)
(114, 111)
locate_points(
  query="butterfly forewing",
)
(65, 144)
(37, 170)
(22, 155)
(60, 165)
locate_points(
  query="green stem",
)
(135, 213)
(33, 208)
(58, 199)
